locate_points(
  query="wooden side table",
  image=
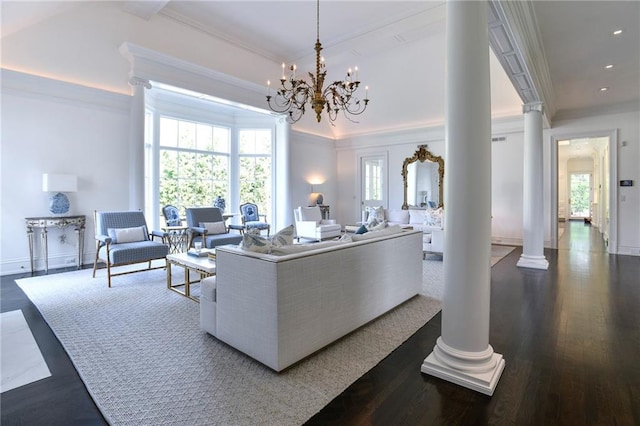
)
(43, 223)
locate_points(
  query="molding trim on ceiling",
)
(515, 40)
(150, 65)
(144, 9)
(35, 86)
(619, 108)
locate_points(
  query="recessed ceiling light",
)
(604, 89)
(608, 66)
(617, 32)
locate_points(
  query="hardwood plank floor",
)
(570, 337)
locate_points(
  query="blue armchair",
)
(206, 224)
(122, 238)
(251, 218)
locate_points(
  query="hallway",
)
(581, 237)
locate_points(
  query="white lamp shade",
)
(59, 183)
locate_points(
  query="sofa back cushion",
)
(417, 216)
(397, 216)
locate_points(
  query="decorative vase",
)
(59, 204)
(220, 203)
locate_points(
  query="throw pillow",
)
(283, 237)
(362, 230)
(374, 214)
(128, 235)
(256, 243)
(214, 228)
(379, 227)
(388, 231)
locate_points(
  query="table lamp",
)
(59, 183)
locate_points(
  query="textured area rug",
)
(432, 271)
(140, 351)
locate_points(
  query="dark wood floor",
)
(570, 337)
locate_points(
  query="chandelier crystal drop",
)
(293, 94)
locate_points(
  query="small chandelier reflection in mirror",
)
(340, 96)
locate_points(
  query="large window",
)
(198, 148)
(197, 162)
(255, 149)
(193, 164)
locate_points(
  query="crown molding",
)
(19, 83)
(619, 108)
(150, 65)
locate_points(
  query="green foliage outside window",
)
(194, 165)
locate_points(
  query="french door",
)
(579, 195)
(373, 180)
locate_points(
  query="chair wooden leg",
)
(108, 272)
(95, 262)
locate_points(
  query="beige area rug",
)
(432, 271)
(139, 349)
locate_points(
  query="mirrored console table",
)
(45, 222)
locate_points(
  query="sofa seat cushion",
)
(131, 252)
(220, 239)
(329, 227)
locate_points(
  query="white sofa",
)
(309, 224)
(279, 309)
(421, 220)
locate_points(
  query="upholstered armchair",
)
(171, 215)
(207, 225)
(251, 218)
(309, 224)
(122, 238)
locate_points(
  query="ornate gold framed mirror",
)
(422, 177)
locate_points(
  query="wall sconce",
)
(58, 183)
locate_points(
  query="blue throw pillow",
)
(361, 230)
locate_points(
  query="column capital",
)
(137, 81)
(533, 106)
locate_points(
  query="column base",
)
(536, 262)
(480, 382)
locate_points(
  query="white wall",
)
(313, 159)
(55, 127)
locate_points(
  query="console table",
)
(45, 222)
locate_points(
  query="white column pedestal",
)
(536, 262)
(482, 378)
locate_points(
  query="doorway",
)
(584, 190)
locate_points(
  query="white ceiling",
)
(399, 47)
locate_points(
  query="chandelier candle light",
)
(340, 96)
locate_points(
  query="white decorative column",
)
(462, 353)
(533, 208)
(136, 141)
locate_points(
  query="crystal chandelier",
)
(340, 96)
